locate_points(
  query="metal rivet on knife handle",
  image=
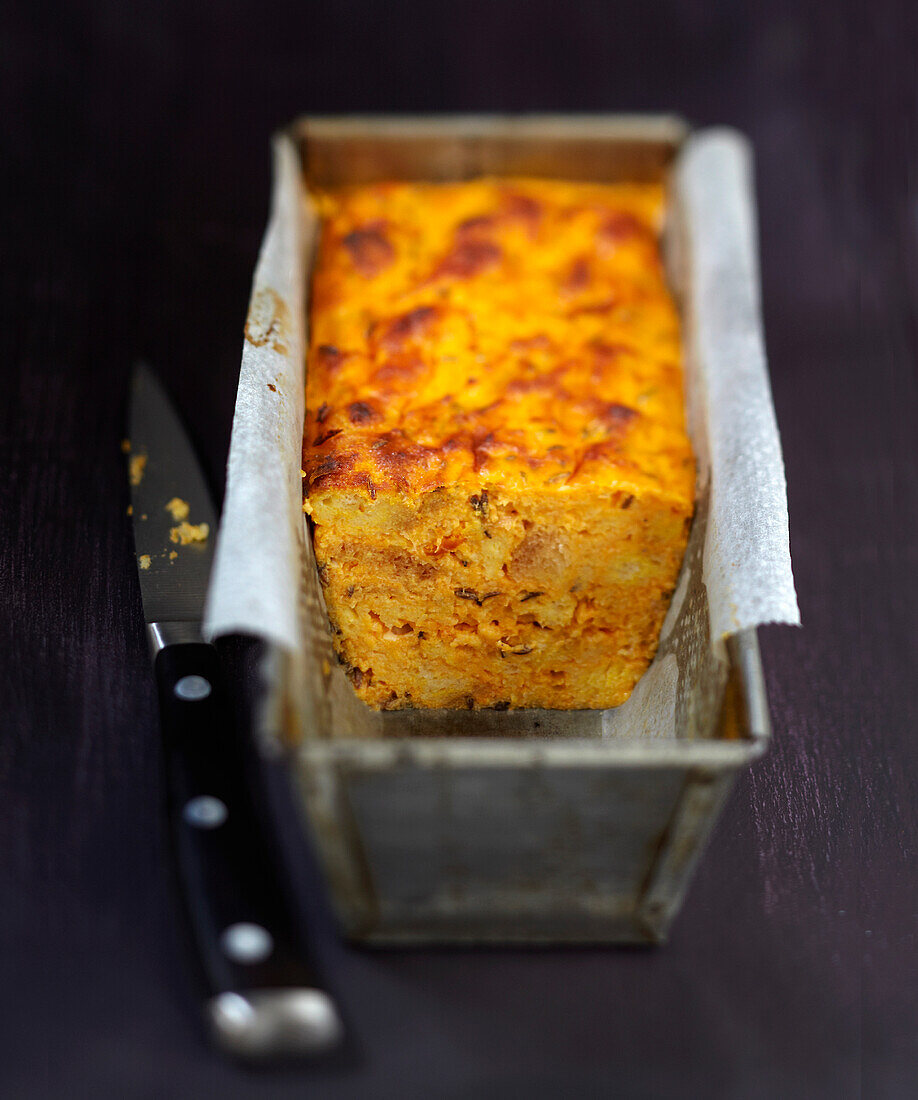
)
(192, 688)
(205, 812)
(247, 943)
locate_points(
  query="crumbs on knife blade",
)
(178, 509)
(136, 467)
(186, 533)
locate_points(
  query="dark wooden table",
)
(134, 152)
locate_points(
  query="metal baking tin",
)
(527, 826)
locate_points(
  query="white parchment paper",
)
(747, 570)
(747, 565)
(257, 567)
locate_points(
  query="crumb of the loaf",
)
(185, 533)
(144, 561)
(178, 508)
(125, 446)
(136, 467)
(173, 554)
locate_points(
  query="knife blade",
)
(264, 997)
(174, 518)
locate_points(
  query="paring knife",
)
(264, 999)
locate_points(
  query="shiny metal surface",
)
(159, 635)
(273, 1023)
(173, 577)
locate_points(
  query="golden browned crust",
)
(495, 424)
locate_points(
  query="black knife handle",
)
(265, 1000)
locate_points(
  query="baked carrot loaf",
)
(495, 457)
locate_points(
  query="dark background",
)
(136, 172)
